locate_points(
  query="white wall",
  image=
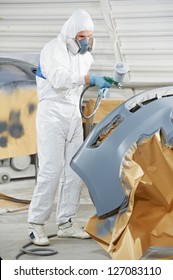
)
(139, 33)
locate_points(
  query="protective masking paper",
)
(11, 204)
(144, 220)
(106, 106)
(18, 103)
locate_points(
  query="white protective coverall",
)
(59, 123)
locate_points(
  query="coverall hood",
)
(80, 20)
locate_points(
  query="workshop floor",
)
(13, 228)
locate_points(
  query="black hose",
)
(15, 200)
(37, 251)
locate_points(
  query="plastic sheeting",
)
(146, 220)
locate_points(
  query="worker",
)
(61, 76)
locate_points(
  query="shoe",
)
(72, 229)
(37, 234)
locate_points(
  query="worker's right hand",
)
(99, 81)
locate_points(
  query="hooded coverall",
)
(59, 123)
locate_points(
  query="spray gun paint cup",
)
(120, 69)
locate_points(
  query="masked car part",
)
(98, 162)
(18, 99)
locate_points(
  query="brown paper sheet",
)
(18, 103)
(146, 220)
(12, 204)
(106, 106)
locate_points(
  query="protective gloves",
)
(99, 81)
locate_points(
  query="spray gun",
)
(120, 69)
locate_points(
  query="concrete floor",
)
(13, 228)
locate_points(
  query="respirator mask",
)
(75, 46)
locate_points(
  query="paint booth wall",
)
(138, 33)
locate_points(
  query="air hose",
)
(37, 251)
(103, 92)
(120, 69)
(96, 106)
